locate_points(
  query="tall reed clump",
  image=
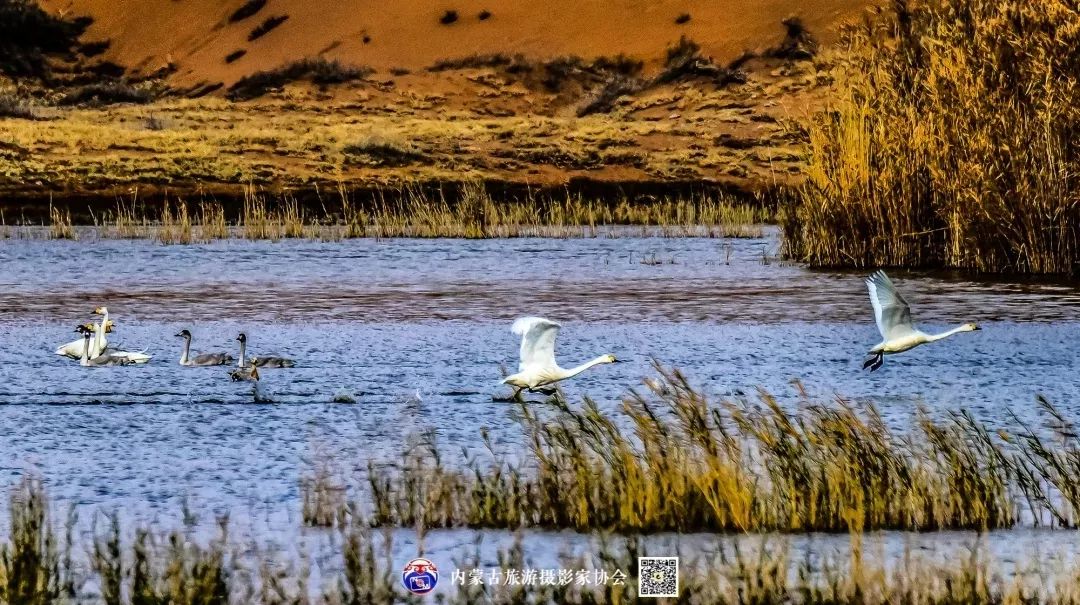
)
(127, 223)
(674, 461)
(952, 142)
(60, 224)
(30, 562)
(474, 213)
(212, 224)
(176, 225)
(362, 566)
(263, 220)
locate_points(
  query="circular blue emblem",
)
(420, 576)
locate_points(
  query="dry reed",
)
(952, 142)
(739, 466)
(60, 224)
(415, 212)
(37, 568)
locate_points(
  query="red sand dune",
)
(196, 35)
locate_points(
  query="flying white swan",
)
(264, 362)
(538, 368)
(893, 316)
(206, 359)
(243, 372)
(104, 359)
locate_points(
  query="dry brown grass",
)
(60, 224)
(951, 142)
(674, 461)
(175, 226)
(39, 566)
(414, 211)
(481, 128)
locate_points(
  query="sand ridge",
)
(195, 36)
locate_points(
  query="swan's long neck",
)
(99, 340)
(85, 351)
(581, 368)
(956, 330)
(243, 352)
(187, 350)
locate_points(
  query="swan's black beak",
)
(179, 335)
(978, 329)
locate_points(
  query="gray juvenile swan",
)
(538, 371)
(893, 316)
(105, 359)
(264, 362)
(205, 359)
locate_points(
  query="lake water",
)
(417, 331)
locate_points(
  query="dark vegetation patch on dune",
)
(318, 71)
(28, 35)
(267, 26)
(380, 152)
(104, 93)
(448, 17)
(247, 10)
(13, 106)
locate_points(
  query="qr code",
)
(658, 576)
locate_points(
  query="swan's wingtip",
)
(523, 324)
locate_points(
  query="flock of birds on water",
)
(538, 372)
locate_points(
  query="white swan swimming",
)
(101, 345)
(538, 368)
(74, 349)
(104, 359)
(205, 359)
(243, 372)
(893, 316)
(264, 362)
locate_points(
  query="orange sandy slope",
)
(195, 35)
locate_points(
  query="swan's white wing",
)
(891, 311)
(72, 349)
(132, 356)
(537, 341)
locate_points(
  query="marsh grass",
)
(475, 214)
(323, 496)
(416, 212)
(212, 223)
(60, 226)
(688, 464)
(144, 567)
(950, 142)
(148, 568)
(176, 225)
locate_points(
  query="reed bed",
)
(415, 212)
(746, 465)
(60, 224)
(951, 142)
(142, 567)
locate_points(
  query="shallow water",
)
(417, 330)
